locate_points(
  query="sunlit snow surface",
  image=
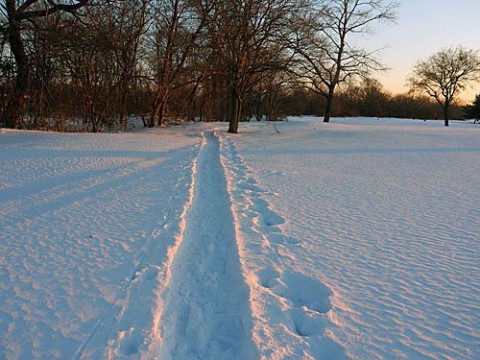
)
(355, 239)
(387, 215)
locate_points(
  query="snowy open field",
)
(356, 239)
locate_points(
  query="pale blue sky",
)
(424, 27)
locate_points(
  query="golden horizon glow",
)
(424, 27)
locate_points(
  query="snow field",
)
(80, 217)
(356, 239)
(385, 213)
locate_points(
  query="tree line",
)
(89, 64)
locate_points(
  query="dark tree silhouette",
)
(473, 111)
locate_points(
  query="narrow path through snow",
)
(207, 312)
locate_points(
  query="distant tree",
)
(444, 74)
(410, 106)
(128, 23)
(265, 98)
(473, 111)
(87, 60)
(322, 40)
(374, 100)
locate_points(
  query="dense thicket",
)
(89, 65)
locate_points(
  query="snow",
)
(206, 312)
(304, 240)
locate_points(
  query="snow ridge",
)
(206, 313)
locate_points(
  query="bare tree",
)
(179, 25)
(244, 38)
(129, 22)
(91, 70)
(322, 39)
(17, 13)
(444, 74)
(42, 68)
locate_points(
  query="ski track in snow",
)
(206, 314)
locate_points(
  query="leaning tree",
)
(445, 74)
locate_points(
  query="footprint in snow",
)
(306, 323)
(268, 278)
(310, 300)
(271, 218)
(280, 239)
(303, 291)
(130, 342)
(250, 185)
(268, 217)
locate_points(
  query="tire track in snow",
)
(206, 314)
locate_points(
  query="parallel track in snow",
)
(206, 313)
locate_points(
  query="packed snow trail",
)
(206, 312)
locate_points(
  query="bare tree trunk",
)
(446, 112)
(329, 105)
(159, 107)
(123, 103)
(153, 119)
(236, 112)
(191, 98)
(156, 109)
(17, 99)
(161, 114)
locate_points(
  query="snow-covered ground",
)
(296, 240)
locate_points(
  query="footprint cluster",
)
(296, 302)
(266, 221)
(306, 299)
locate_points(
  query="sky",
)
(422, 28)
